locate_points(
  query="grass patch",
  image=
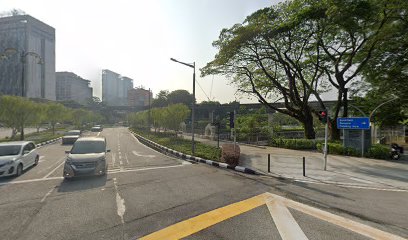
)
(182, 145)
(42, 136)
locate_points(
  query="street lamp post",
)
(192, 65)
(23, 57)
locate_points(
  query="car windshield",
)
(10, 150)
(84, 147)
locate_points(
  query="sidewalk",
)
(341, 170)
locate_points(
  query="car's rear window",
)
(84, 147)
(9, 150)
(71, 134)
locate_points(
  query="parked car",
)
(16, 157)
(96, 129)
(87, 157)
(71, 136)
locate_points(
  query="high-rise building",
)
(115, 88)
(70, 86)
(139, 97)
(29, 68)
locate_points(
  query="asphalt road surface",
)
(148, 195)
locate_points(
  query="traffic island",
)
(184, 156)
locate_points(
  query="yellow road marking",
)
(203, 221)
(351, 225)
(277, 205)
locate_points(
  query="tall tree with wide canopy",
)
(294, 50)
(271, 56)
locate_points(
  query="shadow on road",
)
(82, 183)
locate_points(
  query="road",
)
(148, 195)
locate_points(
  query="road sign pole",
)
(235, 131)
(326, 134)
(362, 143)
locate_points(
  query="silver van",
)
(86, 158)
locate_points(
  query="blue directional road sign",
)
(353, 123)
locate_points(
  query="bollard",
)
(304, 167)
(269, 162)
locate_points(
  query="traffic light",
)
(231, 119)
(323, 117)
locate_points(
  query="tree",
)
(175, 114)
(157, 118)
(296, 49)
(161, 99)
(271, 56)
(8, 113)
(210, 103)
(180, 96)
(56, 113)
(80, 117)
(16, 112)
(39, 115)
(350, 32)
(387, 72)
(138, 119)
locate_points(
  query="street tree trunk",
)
(22, 133)
(308, 126)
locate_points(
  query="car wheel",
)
(19, 170)
(37, 159)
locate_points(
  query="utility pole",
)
(150, 111)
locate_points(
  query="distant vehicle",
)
(15, 157)
(100, 126)
(86, 158)
(96, 129)
(71, 136)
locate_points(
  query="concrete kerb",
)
(47, 142)
(192, 158)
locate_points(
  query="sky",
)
(137, 38)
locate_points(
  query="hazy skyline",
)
(137, 39)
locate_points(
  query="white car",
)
(71, 136)
(15, 157)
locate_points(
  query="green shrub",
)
(378, 151)
(338, 149)
(297, 144)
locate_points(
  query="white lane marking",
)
(30, 180)
(361, 180)
(98, 134)
(285, 223)
(141, 155)
(348, 185)
(113, 159)
(47, 194)
(121, 162)
(54, 169)
(109, 172)
(143, 169)
(348, 224)
(126, 157)
(120, 203)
